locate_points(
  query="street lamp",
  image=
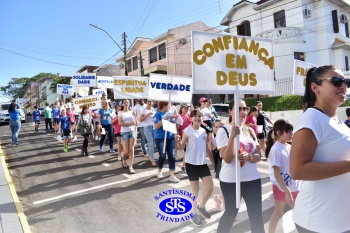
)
(125, 68)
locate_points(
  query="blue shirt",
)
(15, 115)
(347, 122)
(56, 112)
(105, 116)
(36, 115)
(65, 122)
(159, 133)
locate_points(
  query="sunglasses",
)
(338, 81)
(243, 108)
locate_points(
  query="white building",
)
(315, 31)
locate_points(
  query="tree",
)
(15, 88)
(58, 80)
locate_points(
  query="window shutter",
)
(347, 29)
(335, 21)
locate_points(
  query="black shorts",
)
(262, 135)
(117, 135)
(37, 122)
(209, 128)
(56, 121)
(72, 123)
(66, 132)
(194, 172)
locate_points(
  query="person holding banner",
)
(195, 139)
(104, 116)
(320, 155)
(127, 122)
(249, 175)
(146, 117)
(159, 134)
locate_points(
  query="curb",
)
(17, 203)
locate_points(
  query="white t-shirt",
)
(206, 113)
(137, 110)
(86, 118)
(196, 146)
(249, 171)
(127, 118)
(149, 119)
(279, 156)
(324, 205)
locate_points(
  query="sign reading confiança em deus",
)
(227, 64)
(64, 89)
(92, 101)
(130, 87)
(84, 80)
(170, 88)
(299, 76)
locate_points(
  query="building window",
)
(299, 56)
(244, 29)
(162, 51)
(128, 65)
(134, 63)
(153, 55)
(346, 63)
(346, 25)
(280, 19)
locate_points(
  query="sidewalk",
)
(12, 218)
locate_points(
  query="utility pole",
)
(141, 65)
(125, 65)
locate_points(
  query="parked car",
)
(42, 111)
(222, 111)
(4, 113)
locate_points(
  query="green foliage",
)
(279, 103)
(58, 80)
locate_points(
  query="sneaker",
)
(96, 138)
(196, 220)
(65, 149)
(101, 148)
(75, 138)
(183, 170)
(174, 179)
(67, 146)
(112, 150)
(159, 175)
(203, 212)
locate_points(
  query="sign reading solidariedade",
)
(130, 87)
(170, 88)
(84, 80)
(63, 89)
(231, 64)
(299, 76)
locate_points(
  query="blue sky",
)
(55, 36)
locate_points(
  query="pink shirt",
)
(252, 120)
(185, 124)
(116, 125)
(71, 116)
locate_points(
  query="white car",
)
(4, 113)
(222, 111)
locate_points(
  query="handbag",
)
(85, 128)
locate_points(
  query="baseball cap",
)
(203, 99)
(184, 105)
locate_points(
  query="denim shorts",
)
(128, 135)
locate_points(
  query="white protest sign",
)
(82, 91)
(168, 126)
(299, 76)
(104, 82)
(99, 91)
(170, 88)
(130, 87)
(84, 80)
(227, 64)
(63, 89)
(92, 101)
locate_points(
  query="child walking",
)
(285, 189)
(36, 119)
(196, 139)
(56, 117)
(65, 127)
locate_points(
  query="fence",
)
(283, 87)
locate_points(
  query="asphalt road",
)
(64, 192)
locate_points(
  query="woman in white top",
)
(320, 155)
(127, 122)
(250, 177)
(206, 123)
(284, 188)
(87, 119)
(146, 117)
(196, 141)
